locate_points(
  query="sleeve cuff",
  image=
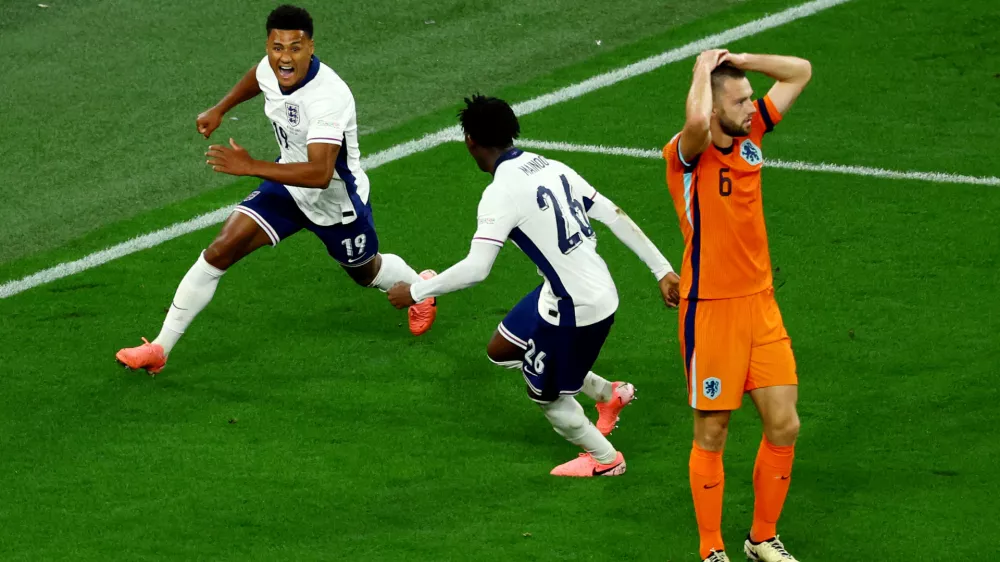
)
(325, 140)
(663, 272)
(768, 113)
(680, 157)
(487, 240)
(415, 293)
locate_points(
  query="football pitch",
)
(299, 420)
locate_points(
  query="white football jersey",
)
(320, 109)
(541, 206)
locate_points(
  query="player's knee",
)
(784, 429)
(220, 253)
(711, 434)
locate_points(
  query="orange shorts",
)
(733, 346)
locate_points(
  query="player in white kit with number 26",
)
(554, 334)
(317, 184)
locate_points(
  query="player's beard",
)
(732, 129)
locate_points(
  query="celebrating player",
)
(732, 337)
(317, 184)
(556, 332)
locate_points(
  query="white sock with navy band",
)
(192, 296)
(568, 419)
(394, 270)
(601, 390)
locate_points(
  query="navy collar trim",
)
(727, 150)
(313, 71)
(509, 155)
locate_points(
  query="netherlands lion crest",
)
(292, 113)
(711, 388)
(750, 152)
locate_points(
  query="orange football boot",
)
(423, 313)
(622, 394)
(148, 356)
(586, 466)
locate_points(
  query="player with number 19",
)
(317, 184)
(556, 332)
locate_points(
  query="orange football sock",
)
(707, 481)
(772, 473)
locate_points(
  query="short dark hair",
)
(489, 121)
(723, 72)
(288, 17)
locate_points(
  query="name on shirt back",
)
(536, 164)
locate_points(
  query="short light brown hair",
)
(723, 72)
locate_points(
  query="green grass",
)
(113, 136)
(299, 420)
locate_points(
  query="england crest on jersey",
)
(750, 152)
(292, 113)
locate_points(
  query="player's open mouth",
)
(286, 71)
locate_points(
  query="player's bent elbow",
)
(323, 180)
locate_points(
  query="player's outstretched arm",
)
(697, 132)
(792, 75)
(623, 227)
(497, 216)
(464, 274)
(247, 88)
(236, 161)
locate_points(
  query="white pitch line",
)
(936, 177)
(432, 140)
(589, 148)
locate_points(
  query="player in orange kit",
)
(732, 337)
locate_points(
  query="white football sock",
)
(393, 270)
(567, 418)
(597, 388)
(193, 294)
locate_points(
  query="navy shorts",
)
(275, 211)
(556, 358)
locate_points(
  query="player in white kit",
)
(317, 183)
(554, 334)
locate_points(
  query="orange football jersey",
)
(718, 201)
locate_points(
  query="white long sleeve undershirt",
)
(464, 274)
(605, 211)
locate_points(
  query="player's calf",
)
(366, 274)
